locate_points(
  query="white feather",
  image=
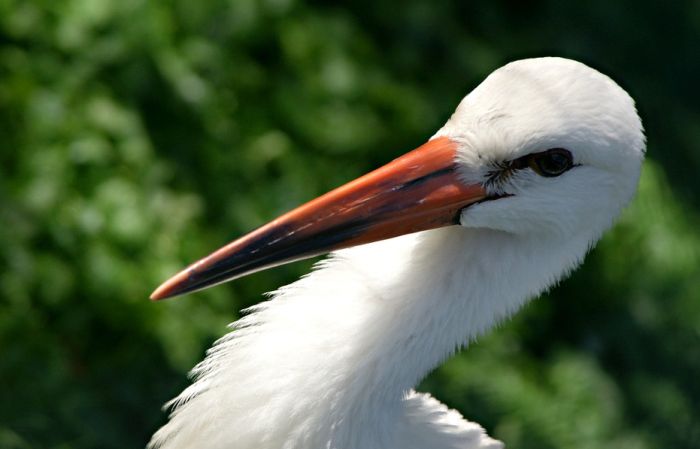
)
(331, 360)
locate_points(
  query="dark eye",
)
(552, 162)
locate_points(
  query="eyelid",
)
(522, 162)
(503, 170)
(530, 160)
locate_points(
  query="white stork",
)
(453, 237)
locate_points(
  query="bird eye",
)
(552, 162)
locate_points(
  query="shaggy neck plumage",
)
(434, 292)
(332, 357)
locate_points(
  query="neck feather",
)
(341, 349)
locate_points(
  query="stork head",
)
(543, 147)
(561, 143)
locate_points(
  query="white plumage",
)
(331, 360)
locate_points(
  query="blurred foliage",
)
(136, 136)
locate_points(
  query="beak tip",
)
(168, 289)
(159, 294)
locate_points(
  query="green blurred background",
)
(137, 136)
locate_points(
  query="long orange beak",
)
(418, 191)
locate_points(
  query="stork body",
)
(332, 359)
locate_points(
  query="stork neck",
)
(428, 294)
(331, 360)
